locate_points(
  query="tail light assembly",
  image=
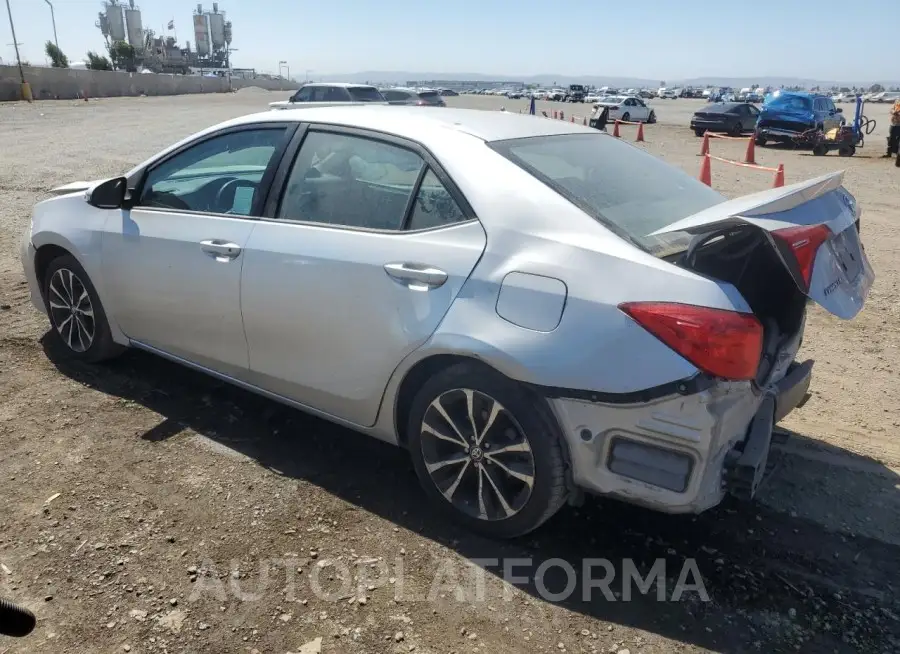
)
(726, 344)
(799, 245)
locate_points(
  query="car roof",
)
(720, 107)
(346, 85)
(416, 124)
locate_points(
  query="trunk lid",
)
(829, 265)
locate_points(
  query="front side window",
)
(339, 179)
(218, 175)
(335, 94)
(303, 95)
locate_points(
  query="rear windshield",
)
(631, 192)
(365, 94)
(429, 95)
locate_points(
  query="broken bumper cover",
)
(679, 453)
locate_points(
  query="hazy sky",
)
(654, 39)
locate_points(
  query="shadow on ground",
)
(757, 565)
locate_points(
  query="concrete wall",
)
(68, 83)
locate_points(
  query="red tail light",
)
(803, 242)
(722, 343)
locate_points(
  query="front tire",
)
(77, 318)
(651, 119)
(737, 130)
(626, 117)
(487, 451)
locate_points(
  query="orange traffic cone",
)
(750, 157)
(555, 114)
(616, 129)
(779, 177)
(704, 149)
(706, 172)
(562, 115)
(573, 118)
(640, 135)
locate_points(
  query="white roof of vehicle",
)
(346, 85)
(416, 124)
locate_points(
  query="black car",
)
(733, 118)
(449, 92)
(411, 96)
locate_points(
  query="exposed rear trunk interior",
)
(744, 257)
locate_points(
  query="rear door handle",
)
(416, 274)
(221, 250)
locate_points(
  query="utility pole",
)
(53, 18)
(15, 43)
(26, 88)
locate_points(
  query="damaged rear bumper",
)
(683, 452)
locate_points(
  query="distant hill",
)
(401, 77)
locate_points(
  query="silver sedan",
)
(532, 308)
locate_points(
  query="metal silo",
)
(116, 21)
(217, 29)
(134, 27)
(201, 32)
(228, 33)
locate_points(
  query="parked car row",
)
(329, 93)
(784, 116)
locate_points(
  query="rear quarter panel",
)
(531, 229)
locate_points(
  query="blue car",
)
(785, 114)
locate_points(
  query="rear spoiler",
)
(762, 205)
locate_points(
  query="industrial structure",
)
(119, 22)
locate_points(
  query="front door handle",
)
(414, 274)
(221, 250)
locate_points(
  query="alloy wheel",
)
(477, 455)
(71, 310)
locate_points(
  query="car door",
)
(833, 118)
(752, 116)
(642, 111)
(172, 262)
(353, 268)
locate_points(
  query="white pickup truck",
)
(331, 93)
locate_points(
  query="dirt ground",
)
(150, 509)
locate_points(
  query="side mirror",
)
(838, 110)
(108, 195)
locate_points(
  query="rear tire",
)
(847, 151)
(651, 119)
(626, 117)
(77, 318)
(761, 141)
(699, 132)
(737, 130)
(497, 466)
(820, 150)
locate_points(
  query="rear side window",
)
(365, 94)
(395, 96)
(628, 190)
(434, 206)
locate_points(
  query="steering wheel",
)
(167, 200)
(225, 204)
